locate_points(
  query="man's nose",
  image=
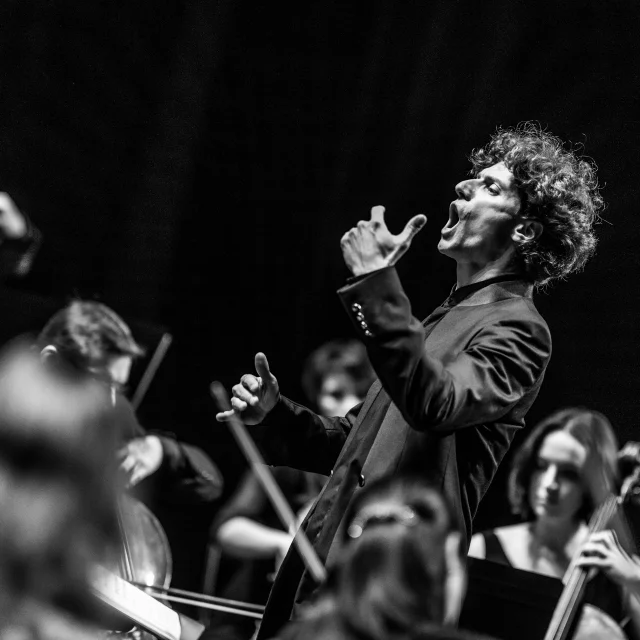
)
(465, 189)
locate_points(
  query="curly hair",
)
(86, 333)
(557, 188)
(589, 428)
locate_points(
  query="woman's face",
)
(556, 489)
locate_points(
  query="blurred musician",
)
(57, 495)
(399, 575)
(335, 377)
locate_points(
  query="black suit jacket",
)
(451, 394)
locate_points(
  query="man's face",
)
(482, 218)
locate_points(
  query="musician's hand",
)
(13, 224)
(140, 458)
(255, 396)
(370, 246)
(604, 552)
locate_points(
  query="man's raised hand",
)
(254, 396)
(370, 246)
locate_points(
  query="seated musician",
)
(92, 337)
(553, 486)
(335, 377)
(399, 574)
(57, 496)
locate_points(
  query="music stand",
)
(508, 603)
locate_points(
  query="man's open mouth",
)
(454, 218)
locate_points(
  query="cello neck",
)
(573, 592)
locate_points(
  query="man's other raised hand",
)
(370, 245)
(254, 396)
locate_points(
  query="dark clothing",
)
(250, 500)
(330, 627)
(250, 580)
(451, 394)
(186, 476)
(493, 549)
(17, 255)
(601, 592)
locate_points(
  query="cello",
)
(142, 576)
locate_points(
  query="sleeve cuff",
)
(364, 296)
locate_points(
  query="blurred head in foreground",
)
(400, 573)
(57, 480)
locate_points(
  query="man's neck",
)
(470, 272)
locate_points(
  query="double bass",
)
(571, 617)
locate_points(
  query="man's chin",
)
(445, 248)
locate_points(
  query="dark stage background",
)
(194, 165)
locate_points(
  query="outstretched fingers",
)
(412, 227)
(224, 416)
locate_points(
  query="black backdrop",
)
(194, 163)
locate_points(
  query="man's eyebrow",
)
(499, 182)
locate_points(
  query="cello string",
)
(206, 598)
(213, 607)
(125, 561)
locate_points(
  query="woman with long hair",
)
(559, 476)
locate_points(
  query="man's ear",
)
(526, 231)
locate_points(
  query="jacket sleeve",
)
(187, 474)
(17, 256)
(294, 436)
(503, 361)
